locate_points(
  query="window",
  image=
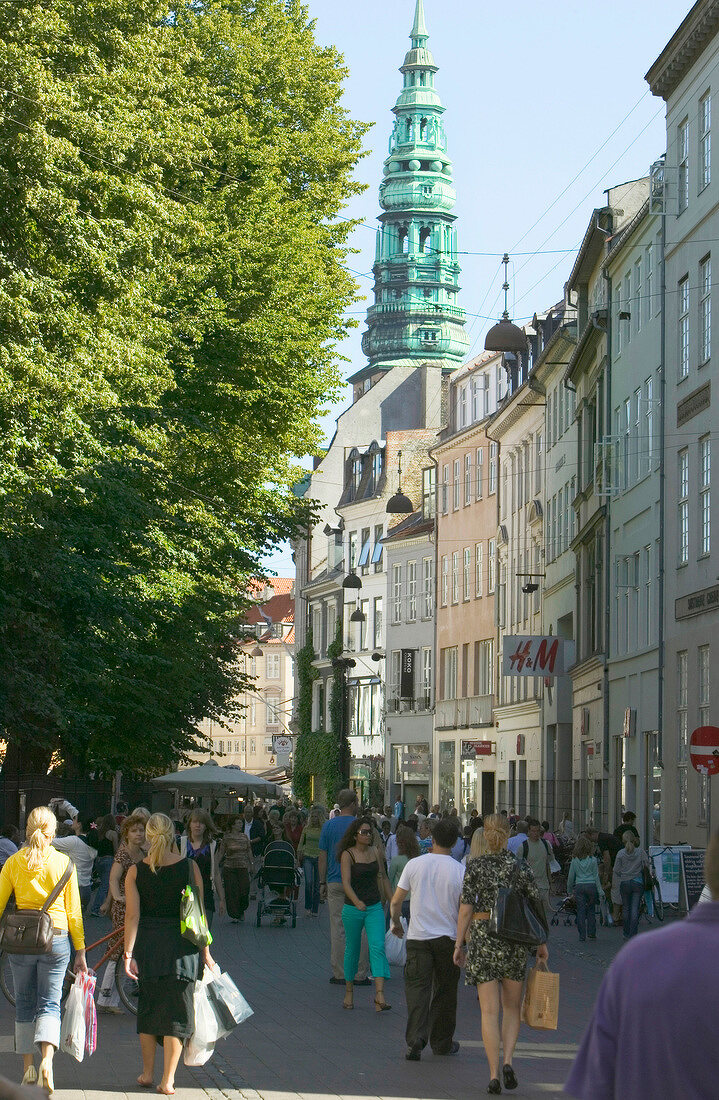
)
(560, 518)
(477, 399)
(395, 672)
(683, 162)
(462, 404)
(429, 492)
(467, 479)
(411, 591)
(396, 593)
(220, 747)
(455, 485)
(445, 490)
(649, 283)
(427, 676)
(272, 704)
(237, 746)
(377, 639)
(378, 548)
(491, 566)
(492, 468)
(253, 712)
(466, 572)
(520, 480)
(638, 304)
(627, 323)
(705, 495)
(683, 524)
(480, 473)
(253, 746)
(683, 306)
(538, 463)
(478, 568)
(427, 587)
(352, 551)
(272, 666)
(485, 683)
(455, 576)
(648, 441)
(703, 781)
(705, 140)
(647, 625)
(364, 552)
(450, 673)
(445, 581)
(364, 624)
(705, 310)
(617, 322)
(682, 735)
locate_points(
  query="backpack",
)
(547, 845)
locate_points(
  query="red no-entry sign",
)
(704, 750)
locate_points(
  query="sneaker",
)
(337, 981)
(414, 1053)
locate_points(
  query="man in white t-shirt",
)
(430, 976)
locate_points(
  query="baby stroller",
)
(279, 875)
(568, 908)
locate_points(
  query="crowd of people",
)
(424, 876)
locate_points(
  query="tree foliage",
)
(172, 287)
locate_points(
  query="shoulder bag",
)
(517, 918)
(193, 920)
(31, 931)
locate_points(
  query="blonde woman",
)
(32, 874)
(308, 854)
(493, 965)
(628, 881)
(166, 965)
(199, 844)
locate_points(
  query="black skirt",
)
(165, 1006)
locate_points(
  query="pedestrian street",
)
(299, 1042)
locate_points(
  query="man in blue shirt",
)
(332, 890)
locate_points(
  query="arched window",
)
(403, 239)
(423, 129)
(425, 236)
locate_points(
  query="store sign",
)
(472, 749)
(696, 603)
(532, 655)
(406, 678)
(415, 762)
(281, 744)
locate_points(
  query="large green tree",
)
(172, 288)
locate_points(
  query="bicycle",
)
(656, 896)
(126, 986)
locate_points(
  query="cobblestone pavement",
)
(300, 1045)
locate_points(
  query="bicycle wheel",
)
(6, 980)
(126, 988)
(658, 903)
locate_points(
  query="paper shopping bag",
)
(540, 1007)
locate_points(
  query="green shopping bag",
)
(193, 920)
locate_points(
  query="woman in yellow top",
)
(32, 874)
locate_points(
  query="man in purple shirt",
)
(653, 1031)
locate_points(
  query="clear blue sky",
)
(531, 91)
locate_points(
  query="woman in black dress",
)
(166, 965)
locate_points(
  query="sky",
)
(546, 107)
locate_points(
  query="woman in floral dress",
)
(495, 966)
(131, 851)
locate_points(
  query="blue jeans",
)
(586, 897)
(372, 920)
(38, 983)
(631, 897)
(104, 866)
(310, 866)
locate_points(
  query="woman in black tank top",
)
(364, 879)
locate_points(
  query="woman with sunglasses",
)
(365, 885)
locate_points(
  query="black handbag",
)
(647, 880)
(31, 931)
(517, 918)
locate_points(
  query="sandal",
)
(348, 1004)
(381, 1006)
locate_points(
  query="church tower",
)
(415, 317)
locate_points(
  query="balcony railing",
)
(409, 706)
(469, 713)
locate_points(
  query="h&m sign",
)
(532, 655)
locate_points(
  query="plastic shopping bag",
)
(201, 1044)
(87, 980)
(72, 1032)
(228, 1004)
(395, 948)
(540, 1007)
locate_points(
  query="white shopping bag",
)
(228, 1004)
(72, 1032)
(201, 1044)
(395, 948)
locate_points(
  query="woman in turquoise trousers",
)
(363, 879)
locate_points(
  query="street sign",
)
(704, 750)
(280, 743)
(472, 749)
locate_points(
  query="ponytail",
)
(160, 832)
(39, 831)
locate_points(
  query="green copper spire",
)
(415, 315)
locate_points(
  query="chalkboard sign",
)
(692, 882)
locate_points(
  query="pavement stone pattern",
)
(301, 1045)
